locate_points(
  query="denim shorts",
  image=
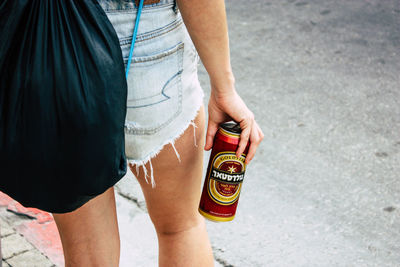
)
(164, 93)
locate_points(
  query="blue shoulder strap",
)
(139, 12)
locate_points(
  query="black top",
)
(62, 103)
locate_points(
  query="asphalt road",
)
(322, 78)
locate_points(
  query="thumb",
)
(212, 129)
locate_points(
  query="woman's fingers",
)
(232, 107)
(212, 129)
(255, 139)
(246, 125)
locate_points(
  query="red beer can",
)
(224, 176)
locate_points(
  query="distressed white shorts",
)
(164, 93)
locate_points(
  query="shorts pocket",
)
(154, 91)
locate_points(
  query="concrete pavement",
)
(323, 80)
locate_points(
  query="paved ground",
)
(323, 77)
(323, 80)
(29, 237)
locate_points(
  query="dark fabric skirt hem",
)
(65, 207)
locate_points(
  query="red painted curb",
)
(45, 238)
(41, 231)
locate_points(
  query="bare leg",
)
(89, 235)
(173, 203)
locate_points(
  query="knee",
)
(176, 227)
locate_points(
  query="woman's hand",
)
(206, 24)
(227, 106)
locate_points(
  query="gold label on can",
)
(226, 177)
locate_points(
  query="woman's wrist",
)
(223, 83)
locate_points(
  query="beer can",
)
(224, 177)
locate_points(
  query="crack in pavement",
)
(134, 200)
(223, 262)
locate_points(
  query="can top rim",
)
(231, 127)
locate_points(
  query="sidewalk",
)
(29, 237)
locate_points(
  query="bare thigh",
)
(89, 234)
(173, 203)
